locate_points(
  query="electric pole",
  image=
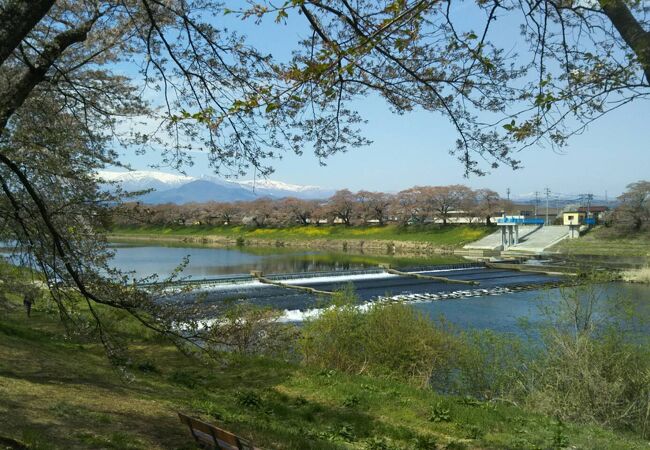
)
(508, 193)
(547, 191)
(590, 197)
(536, 202)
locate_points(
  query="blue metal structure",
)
(519, 221)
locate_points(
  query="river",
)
(503, 312)
(204, 262)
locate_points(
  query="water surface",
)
(205, 262)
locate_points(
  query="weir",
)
(306, 291)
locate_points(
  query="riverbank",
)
(389, 239)
(58, 392)
(599, 242)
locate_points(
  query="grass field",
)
(58, 392)
(452, 235)
(599, 242)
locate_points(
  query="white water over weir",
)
(302, 295)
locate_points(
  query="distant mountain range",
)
(562, 199)
(180, 189)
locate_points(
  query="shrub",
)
(592, 368)
(252, 330)
(486, 365)
(588, 379)
(388, 339)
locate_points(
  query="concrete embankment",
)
(370, 246)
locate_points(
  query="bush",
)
(388, 339)
(592, 368)
(597, 380)
(252, 330)
(486, 365)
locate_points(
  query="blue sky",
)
(413, 149)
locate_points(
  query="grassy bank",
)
(452, 235)
(599, 242)
(57, 392)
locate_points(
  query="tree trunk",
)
(630, 30)
(17, 18)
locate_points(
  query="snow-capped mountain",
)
(174, 188)
(280, 189)
(140, 180)
(278, 185)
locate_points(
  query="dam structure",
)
(308, 291)
(518, 236)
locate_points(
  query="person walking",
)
(28, 301)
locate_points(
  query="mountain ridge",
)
(181, 189)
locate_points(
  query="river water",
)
(205, 262)
(504, 312)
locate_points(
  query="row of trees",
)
(420, 204)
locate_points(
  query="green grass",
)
(599, 242)
(57, 392)
(452, 235)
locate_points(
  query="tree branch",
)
(16, 94)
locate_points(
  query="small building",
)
(573, 218)
(596, 213)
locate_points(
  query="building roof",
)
(594, 209)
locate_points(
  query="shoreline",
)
(365, 246)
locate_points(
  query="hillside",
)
(62, 393)
(600, 242)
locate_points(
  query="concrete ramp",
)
(541, 239)
(533, 239)
(493, 241)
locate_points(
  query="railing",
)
(519, 221)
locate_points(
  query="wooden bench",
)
(209, 436)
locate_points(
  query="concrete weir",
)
(306, 291)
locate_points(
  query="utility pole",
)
(547, 191)
(508, 193)
(590, 197)
(536, 202)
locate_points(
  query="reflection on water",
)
(146, 260)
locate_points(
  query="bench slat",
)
(213, 436)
